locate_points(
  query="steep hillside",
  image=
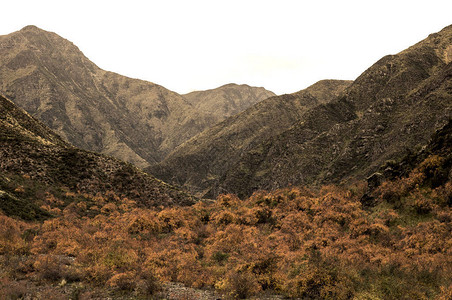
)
(399, 102)
(201, 161)
(93, 109)
(438, 170)
(393, 242)
(394, 105)
(35, 162)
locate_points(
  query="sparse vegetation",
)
(296, 242)
(78, 225)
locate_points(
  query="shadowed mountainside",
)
(32, 154)
(394, 105)
(131, 119)
(201, 161)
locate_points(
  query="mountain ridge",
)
(401, 115)
(97, 110)
(395, 104)
(223, 143)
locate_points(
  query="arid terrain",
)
(118, 188)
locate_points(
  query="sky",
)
(283, 45)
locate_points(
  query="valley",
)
(118, 188)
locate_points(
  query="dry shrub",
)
(445, 294)
(72, 274)
(239, 285)
(144, 284)
(228, 200)
(224, 218)
(143, 224)
(49, 267)
(262, 243)
(108, 208)
(170, 219)
(443, 194)
(12, 289)
(11, 240)
(147, 284)
(97, 273)
(318, 283)
(123, 281)
(17, 267)
(51, 294)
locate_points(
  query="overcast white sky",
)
(281, 45)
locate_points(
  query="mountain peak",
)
(234, 85)
(227, 100)
(31, 28)
(101, 111)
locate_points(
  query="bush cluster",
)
(296, 242)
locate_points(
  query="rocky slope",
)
(133, 120)
(201, 161)
(32, 155)
(394, 105)
(226, 101)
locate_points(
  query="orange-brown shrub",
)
(123, 281)
(238, 284)
(293, 241)
(49, 267)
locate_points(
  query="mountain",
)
(201, 161)
(131, 119)
(226, 101)
(32, 156)
(395, 105)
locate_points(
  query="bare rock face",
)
(346, 134)
(131, 119)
